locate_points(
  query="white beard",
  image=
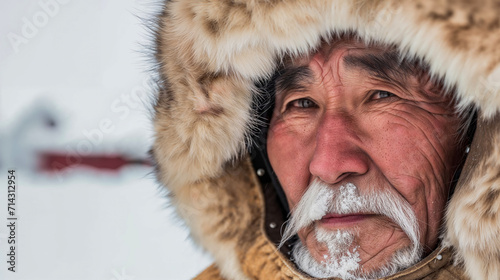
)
(341, 262)
(344, 263)
(343, 259)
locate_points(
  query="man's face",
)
(346, 117)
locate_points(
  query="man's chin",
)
(342, 258)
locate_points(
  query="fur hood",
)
(212, 54)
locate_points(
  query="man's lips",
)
(343, 219)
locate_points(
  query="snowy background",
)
(75, 124)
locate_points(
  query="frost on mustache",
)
(319, 200)
(348, 199)
(340, 262)
(316, 202)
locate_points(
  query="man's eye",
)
(380, 94)
(302, 103)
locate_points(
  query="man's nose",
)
(338, 153)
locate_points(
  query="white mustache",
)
(321, 199)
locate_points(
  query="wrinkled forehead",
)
(338, 47)
(381, 62)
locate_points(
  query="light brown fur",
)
(473, 218)
(212, 52)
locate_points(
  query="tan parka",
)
(213, 54)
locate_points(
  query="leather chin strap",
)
(266, 175)
(277, 210)
(263, 106)
(468, 137)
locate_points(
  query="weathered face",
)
(347, 115)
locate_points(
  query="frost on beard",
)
(341, 261)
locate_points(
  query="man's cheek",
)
(402, 162)
(404, 144)
(294, 174)
(291, 143)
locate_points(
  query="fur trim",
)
(212, 52)
(473, 218)
(221, 213)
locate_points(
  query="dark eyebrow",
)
(387, 66)
(293, 79)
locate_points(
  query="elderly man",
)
(365, 148)
(358, 118)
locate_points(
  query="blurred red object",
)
(54, 162)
